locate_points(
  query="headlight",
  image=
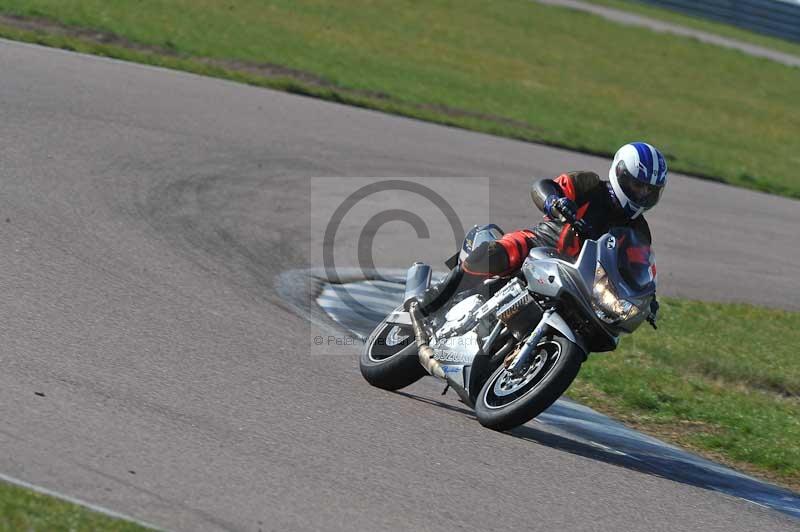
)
(605, 302)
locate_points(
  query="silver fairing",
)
(556, 278)
(551, 276)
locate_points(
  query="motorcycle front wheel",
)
(507, 400)
(389, 359)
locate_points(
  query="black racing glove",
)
(561, 207)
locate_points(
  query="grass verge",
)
(718, 28)
(720, 379)
(516, 68)
(22, 509)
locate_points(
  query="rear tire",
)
(389, 359)
(505, 402)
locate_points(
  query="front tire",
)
(506, 401)
(389, 359)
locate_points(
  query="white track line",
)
(73, 500)
(622, 16)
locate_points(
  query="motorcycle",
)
(510, 347)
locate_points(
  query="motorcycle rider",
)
(577, 206)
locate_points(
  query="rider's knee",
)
(489, 258)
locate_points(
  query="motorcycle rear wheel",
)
(507, 401)
(389, 359)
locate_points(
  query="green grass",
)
(721, 379)
(724, 30)
(514, 68)
(21, 509)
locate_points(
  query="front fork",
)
(521, 360)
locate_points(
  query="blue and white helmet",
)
(638, 176)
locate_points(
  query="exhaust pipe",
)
(425, 351)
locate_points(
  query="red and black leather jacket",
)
(596, 205)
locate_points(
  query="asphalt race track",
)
(151, 367)
(567, 424)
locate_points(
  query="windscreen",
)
(635, 259)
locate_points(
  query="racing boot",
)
(437, 295)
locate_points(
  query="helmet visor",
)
(641, 193)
